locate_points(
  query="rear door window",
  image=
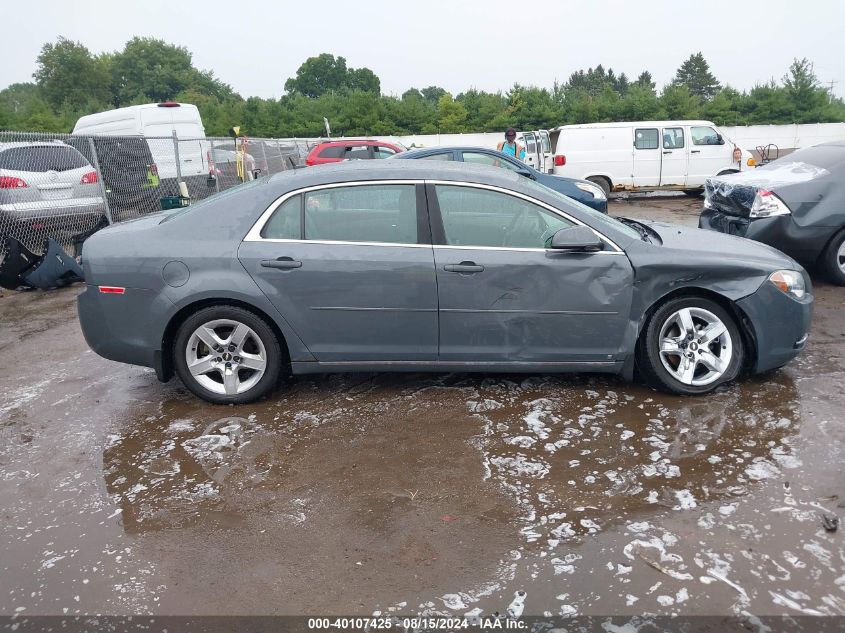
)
(357, 152)
(646, 138)
(41, 158)
(364, 213)
(285, 223)
(440, 156)
(673, 138)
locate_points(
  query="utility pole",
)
(832, 82)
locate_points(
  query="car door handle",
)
(463, 267)
(283, 263)
(668, 152)
(695, 151)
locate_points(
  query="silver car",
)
(47, 189)
(418, 265)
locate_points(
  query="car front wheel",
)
(833, 259)
(227, 355)
(690, 346)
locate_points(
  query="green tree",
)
(364, 80)
(151, 70)
(695, 75)
(432, 94)
(678, 102)
(640, 104)
(645, 81)
(68, 74)
(451, 115)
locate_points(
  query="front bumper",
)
(779, 323)
(802, 243)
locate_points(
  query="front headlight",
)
(790, 282)
(598, 192)
(766, 205)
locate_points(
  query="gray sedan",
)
(417, 266)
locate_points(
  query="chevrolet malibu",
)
(424, 266)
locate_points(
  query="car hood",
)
(719, 249)
(734, 194)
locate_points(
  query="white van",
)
(646, 155)
(157, 122)
(538, 149)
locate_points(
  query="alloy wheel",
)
(226, 357)
(695, 346)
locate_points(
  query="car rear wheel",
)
(690, 346)
(227, 355)
(833, 259)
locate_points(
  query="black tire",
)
(831, 264)
(272, 348)
(648, 350)
(602, 182)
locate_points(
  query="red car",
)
(336, 151)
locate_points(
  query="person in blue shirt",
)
(510, 147)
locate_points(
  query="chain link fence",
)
(66, 187)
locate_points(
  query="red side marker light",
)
(112, 290)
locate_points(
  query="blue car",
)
(583, 191)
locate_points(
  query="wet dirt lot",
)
(417, 493)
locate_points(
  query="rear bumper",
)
(124, 328)
(780, 325)
(802, 243)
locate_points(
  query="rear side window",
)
(646, 138)
(332, 151)
(530, 146)
(41, 158)
(365, 213)
(285, 223)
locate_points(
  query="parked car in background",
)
(796, 204)
(337, 151)
(647, 155)
(47, 189)
(157, 122)
(431, 266)
(581, 190)
(223, 161)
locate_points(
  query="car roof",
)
(9, 145)
(351, 171)
(447, 148)
(675, 123)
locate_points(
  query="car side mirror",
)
(526, 173)
(576, 239)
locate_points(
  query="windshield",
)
(597, 219)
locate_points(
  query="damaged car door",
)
(507, 296)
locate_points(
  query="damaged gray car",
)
(422, 266)
(796, 204)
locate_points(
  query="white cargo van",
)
(538, 149)
(157, 122)
(646, 155)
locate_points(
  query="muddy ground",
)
(356, 494)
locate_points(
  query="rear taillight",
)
(309, 161)
(560, 160)
(112, 290)
(11, 182)
(90, 178)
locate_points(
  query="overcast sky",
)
(487, 44)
